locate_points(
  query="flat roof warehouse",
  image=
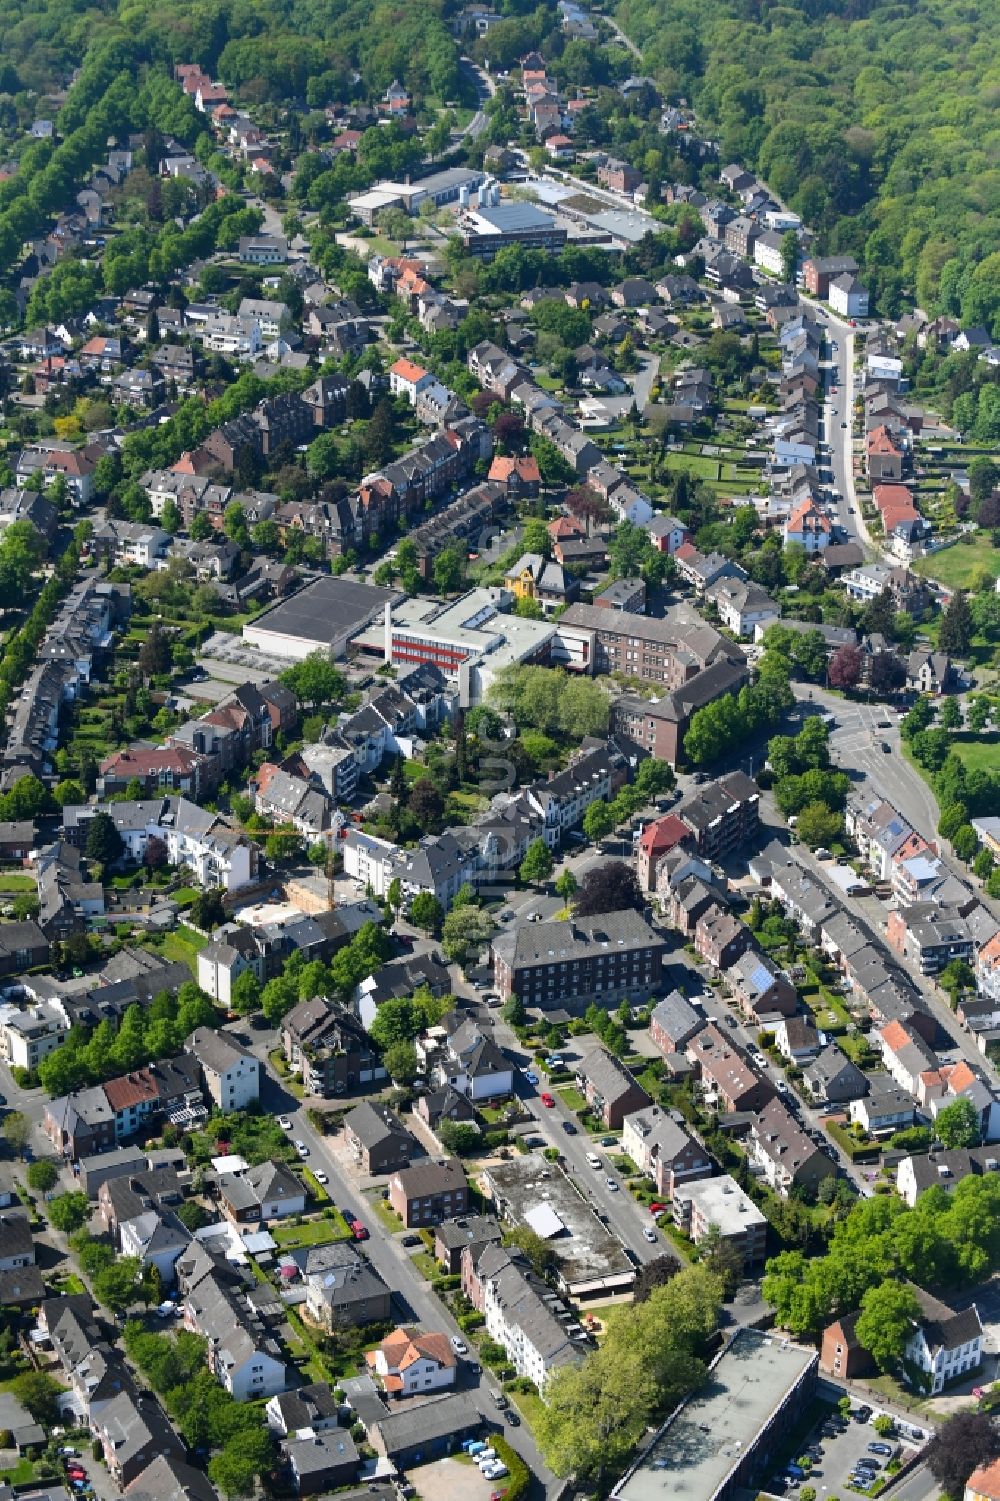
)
(326, 613)
(725, 1435)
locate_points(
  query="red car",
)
(656, 1207)
(548, 1101)
(358, 1230)
(77, 1474)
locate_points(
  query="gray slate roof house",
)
(377, 1138)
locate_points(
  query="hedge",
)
(857, 1151)
(518, 1482)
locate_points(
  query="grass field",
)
(11, 881)
(956, 566)
(979, 755)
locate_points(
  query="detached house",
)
(377, 1138)
(410, 1361)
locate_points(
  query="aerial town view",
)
(500, 754)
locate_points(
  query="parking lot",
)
(447, 1478)
(834, 1458)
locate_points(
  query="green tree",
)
(68, 1212)
(965, 842)
(39, 1392)
(43, 1174)
(426, 912)
(818, 825)
(465, 932)
(245, 993)
(17, 1131)
(401, 1062)
(514, 1011)
(449, 571)
(789, 256)
(598, 821)
(463, 1138)
(957, 1125)
(566, 884)
(955, 635)
(104, 843)
(983, 864)
(117, 1285)
(950, 717)
(886, 1321)
(537, 864)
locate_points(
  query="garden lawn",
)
(322, 1232)
(571, 1098)
(11, 881)
(956, 566)
(184, 945)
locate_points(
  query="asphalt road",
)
(412, 1297)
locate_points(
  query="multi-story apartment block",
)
(567, 964)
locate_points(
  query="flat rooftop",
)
(698, 1447)
(510, 217)
(322, 611)
(473, 623)
(590, 1258)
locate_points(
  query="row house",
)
(725, 1074)
(520, 1312)
(784, 1155)
(241, 1354)
(96, 1119)
(561, 802)
(930, 934)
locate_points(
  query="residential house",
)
(725, 1074)
(329, 1048)
(428, 1192)
(610, 1090)
(884, 1109)
(663, 1149)
(411, 1361)
(377, 1138)
(784, 1154)
(673, 1022)
(832, 1079)
(343, 1289)
(270, 1191)
(231, 1074)
(718, 1206)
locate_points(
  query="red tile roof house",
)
(159, 770)
(520, 476)
(658, 839)
(885, 460)
(411, 1361)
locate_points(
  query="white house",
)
(809, 526)
(231, 1074)
(629, 505)
(473, 1064)
(848, 296)
(222, 961)
(743, 605)
(767, 252)
(411, 1361)
(216, 853)
(944, 1345)
(156, 1238)
(408, 379)
(519, 1317)
(28, 1035)
(368, 860)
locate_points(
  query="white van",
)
(593, 1159)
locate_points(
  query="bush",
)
(518, 1483)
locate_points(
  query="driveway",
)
(642, 383)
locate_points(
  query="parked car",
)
(569, 1128)
(531, 1076)
(459, 1346)
(284, 1123)
(320, 1176)
(648, 1233)
(411, 1240)
(358, 1230)
(593, 1159)
(547, 1100)
(302, 1149)
(611, 1184)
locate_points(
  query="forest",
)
(874, 121)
